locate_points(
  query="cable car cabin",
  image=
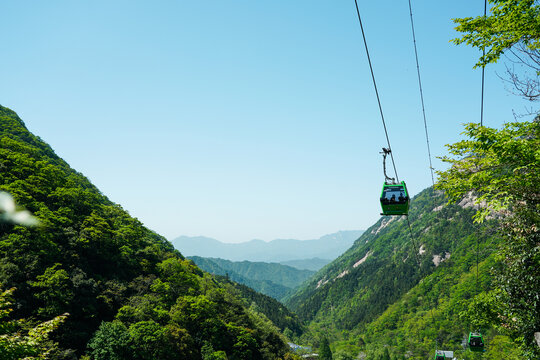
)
(395, 199)
(439, 356)
(476, 343)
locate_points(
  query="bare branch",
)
(526, 83)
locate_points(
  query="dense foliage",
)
(275, 311)
(503, 168)
(128, 293)
(20, 339)
(325, 353)
(442, 309)
(510, 23)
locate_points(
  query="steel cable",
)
(376, 91)
(421, 94)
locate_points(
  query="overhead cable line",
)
(376, 91)
(421, 94)
(483, 70)
(389, 150)
(477, 252)
(481, 124)
(428, 149)
(416, 248)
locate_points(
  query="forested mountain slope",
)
(387, 280)
(271, 279)
(383, 262)
(275, 311)
(128, 293)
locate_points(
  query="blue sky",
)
(243, 119)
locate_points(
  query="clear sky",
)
(243, 119)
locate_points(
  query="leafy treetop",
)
(511, 22)
(502, 167)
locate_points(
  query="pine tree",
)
(324, 350)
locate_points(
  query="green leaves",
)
(500, 168)
(18, 339)
(54, 289)
(482, 311)
(111, 342)
(324, 350)
(511, 22)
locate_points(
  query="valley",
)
(406, 285)
(127, 126)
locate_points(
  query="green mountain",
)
(390, 291)
(271, 279)
(126, 292)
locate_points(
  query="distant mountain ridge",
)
(272, 279)
(327, 247)
(312, 264)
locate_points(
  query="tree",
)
(513, 29)
(20, 340)
(324, 350)
(524, 85)
(208, 353)
(343, 355)
(150, 340)
(501, 168)
(111, 342)
(511, 22)
(55, 290)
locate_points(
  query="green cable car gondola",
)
(394, 199)
(439, 355)
(476, 343)
(394, 196)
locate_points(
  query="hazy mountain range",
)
(326, 248)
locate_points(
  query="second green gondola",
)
(476, 343)
(439, 356)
